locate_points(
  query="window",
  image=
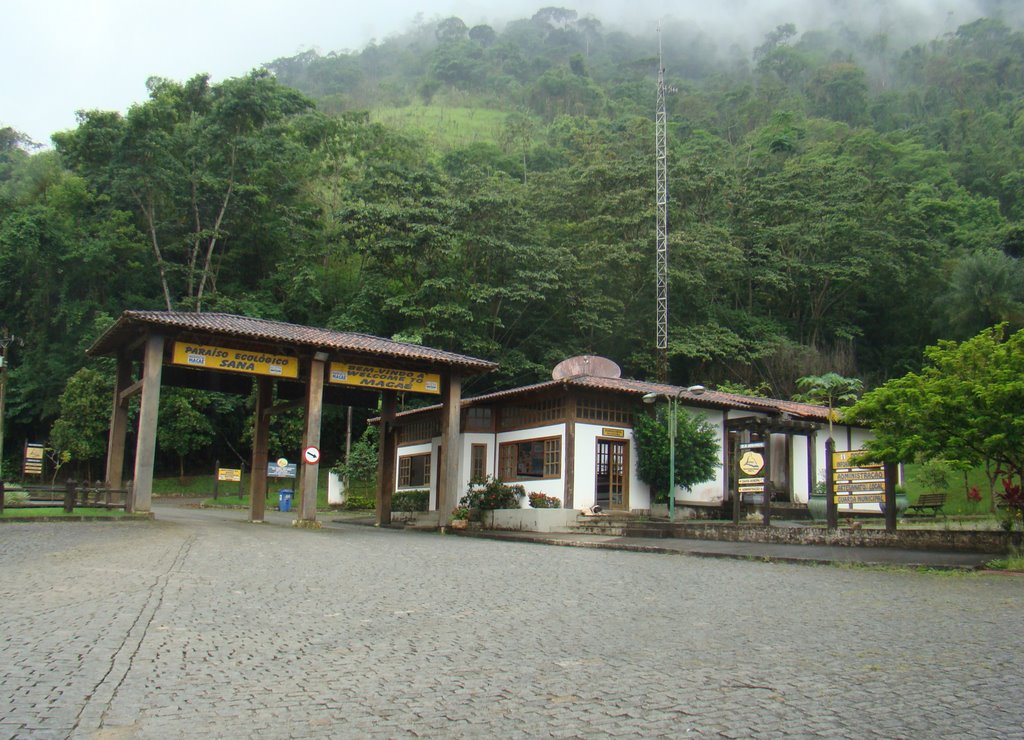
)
(414, 471)
(529, 459)
(531, 414)
(600, 409)
(479, 419)
(478, 463)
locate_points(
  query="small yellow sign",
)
(235, 360)
(611, 432)
(229, 474)
(751, 462)
(369, 376)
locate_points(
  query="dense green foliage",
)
(963, 407)
(838, 201)
(697, 454)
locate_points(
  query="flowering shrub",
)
(1013, 499)
(973, 497)
(540, 501)
(491, 493)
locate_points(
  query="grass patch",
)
(1013, 561)
(955, 490)
(57, 512)
(446, 127)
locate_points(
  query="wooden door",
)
(611, 477)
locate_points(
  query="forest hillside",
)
(839, 198)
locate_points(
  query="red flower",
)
(974, 494)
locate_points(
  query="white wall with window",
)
(539, 459)
(585, 480)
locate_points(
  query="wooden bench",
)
(932, 501)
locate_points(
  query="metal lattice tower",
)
(661, 262)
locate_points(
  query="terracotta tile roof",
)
(132, 323)
(639, 388)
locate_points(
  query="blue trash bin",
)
(284, 499)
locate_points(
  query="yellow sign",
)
(751, 462)
(235, 360)
(613, 432)
(368, 376)
(33, 452)
(845, 460)
(229, 474)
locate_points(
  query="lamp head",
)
(697, 390)
(650, 397)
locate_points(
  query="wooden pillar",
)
(387, 448)
(812, 463)
(260, 441)
(769, 485)
(149, 410)
(311, 435)
(451, 413)
(118, 424)
(726, 476)
(831, 513)
(891, 473)
(569, 470)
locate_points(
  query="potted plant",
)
(460, 517)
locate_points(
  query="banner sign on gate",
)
(235, 360)
(369, 376)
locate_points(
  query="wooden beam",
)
(260, 437)
(311, 436)
(133, 390)
(149, 410)
(387, 449)
(118, 424)
(451, 415)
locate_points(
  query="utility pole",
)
(5, 340)
(661, 261)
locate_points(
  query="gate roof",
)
(133, 325)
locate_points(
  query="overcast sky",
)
(60, 56)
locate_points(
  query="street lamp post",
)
(673, 415)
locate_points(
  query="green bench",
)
(928, 501)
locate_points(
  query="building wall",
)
(587, 434)
(549, 486)
(585, 486)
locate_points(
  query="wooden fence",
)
(71, 495)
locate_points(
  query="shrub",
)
(15, 498)
(359, 502)
(491, 493)
(417, 500)
(540, 501)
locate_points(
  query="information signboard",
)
(33, 462)
(856, 484)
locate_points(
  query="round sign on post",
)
(282, 462)
(311, 455)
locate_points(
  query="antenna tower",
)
(661, 262)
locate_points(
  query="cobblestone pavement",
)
(201, 625)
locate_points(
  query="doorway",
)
(612, 484)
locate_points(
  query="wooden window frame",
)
(477, 462)
(551, 459)
(405, 463)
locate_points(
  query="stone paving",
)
(201, 625)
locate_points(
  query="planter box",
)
(530, 520)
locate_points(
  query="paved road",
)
(200, 625)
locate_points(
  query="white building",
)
(572, 438)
